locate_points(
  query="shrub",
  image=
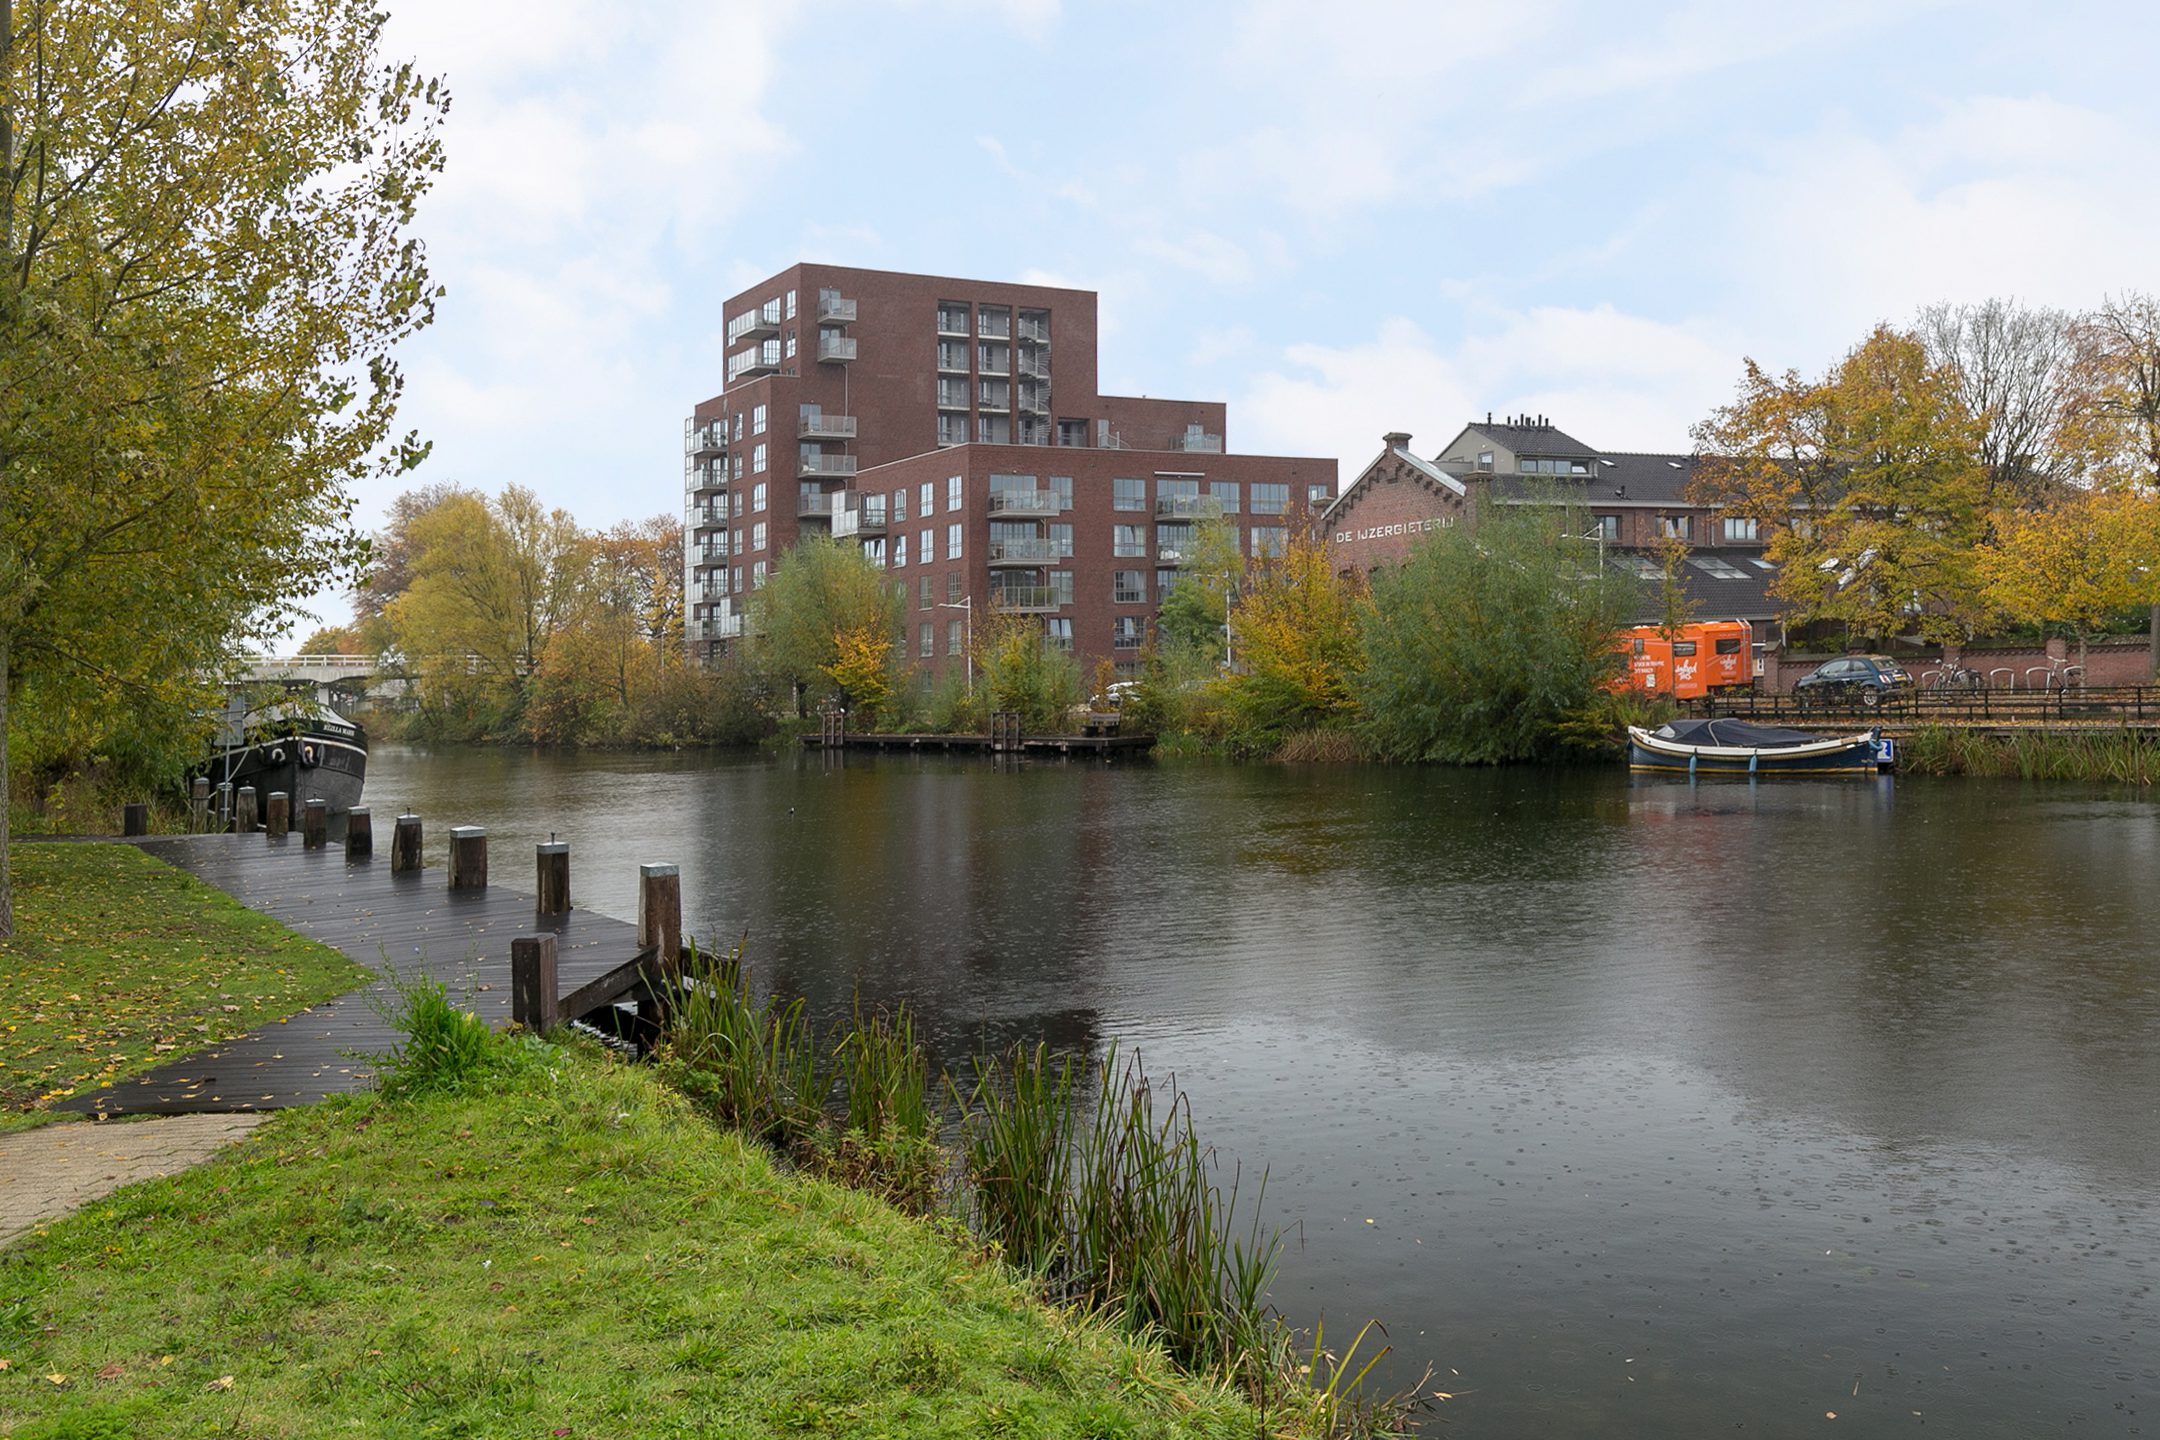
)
(444, 1048)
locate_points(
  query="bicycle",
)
(1955, 680)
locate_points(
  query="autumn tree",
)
(1018, 669)
(2115, 412)
(205, 263)
(820, 590)
(861, 670)
(1295, 630)
(2079, 563)
(1868, 482)
(2011, 369)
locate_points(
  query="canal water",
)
(1633, 1109)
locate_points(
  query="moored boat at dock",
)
(310, 752)
(1735, 747)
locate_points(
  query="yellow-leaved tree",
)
(861, 669)
(2087, 559)
(1296, 653)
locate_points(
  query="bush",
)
(1018, 669)
(444, 1048)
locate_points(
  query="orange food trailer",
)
(1703, 658)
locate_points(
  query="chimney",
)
(1488, 417)
(1396, 440)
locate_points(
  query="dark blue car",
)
(1865, 680)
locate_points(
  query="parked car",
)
(1866, 680)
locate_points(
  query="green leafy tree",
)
(820, 591)
(1192, 615)
(1017, 668)
(1296, 634)
(205, 263)
(1481, 644)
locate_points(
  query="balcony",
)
(708, 439)
(832, 310)
(856, 517)
(835, 349)
(825, 427)
(1033, 367)
(954, 322)
(712, 555)
(820, 467)
(1025, 599)
(1026, 552)
(723, 627)
(754, 325)
(751, 363)
(1023, 502)
(812, 506)
(1035, 332)
(1035, 399)
(952, 394)
(703, 518)
(1197, 443)
(1188, 507)
(994, 401)
(953, 359)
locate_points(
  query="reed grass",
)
(2123, 757)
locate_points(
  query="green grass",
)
(2122, 757)
(562, 1247)
(119, 962)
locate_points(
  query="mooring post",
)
(359, 834)
(314, 824)
(244, 811)
(553, 863)
(468, 857)
(277, 815)
(199, 806)
(224, 821)
(532, 982)
(659, 912)
(135, 818)
(405, 844)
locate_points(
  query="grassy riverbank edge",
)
(563, 1246)
(120, 962)
(2123, 757)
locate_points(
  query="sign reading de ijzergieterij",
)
(1400, 527)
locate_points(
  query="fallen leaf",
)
(57, 1378)
(223, 1382)
(112, 1372)
(1829, 1414)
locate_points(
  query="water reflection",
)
(1672, 1107)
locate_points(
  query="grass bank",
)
(560, 1247)
(120, 962)
(2122, 757)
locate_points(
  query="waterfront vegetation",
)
(552, 1243)
(120, 963)
(2127, 757)
(1089, 1178)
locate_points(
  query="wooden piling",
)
(659, 915)
(135, 818)
(277, 815)
(314, 824)
(532, 983)
(359, 834)
(405, 844)
(199, 806)
(468, 857)
(226, 800)
(553, 862)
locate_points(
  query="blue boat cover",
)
(1735, 732)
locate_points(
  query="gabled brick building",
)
(1629, 501)
(955, 429)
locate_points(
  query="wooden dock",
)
(1104, 746)
(409, 923)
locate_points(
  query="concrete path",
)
(46, 1173)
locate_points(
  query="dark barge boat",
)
(1734, 747)
(308, 751)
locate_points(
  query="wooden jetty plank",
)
(400, 922)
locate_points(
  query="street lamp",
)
(1596, 533)
(967, 603)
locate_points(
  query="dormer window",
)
(1484, 460)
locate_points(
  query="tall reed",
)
(756, 1062)
(2123, 757)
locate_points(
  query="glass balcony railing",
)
(835, 349)
(825, 427)
(1025, 598)
(1188, 507)
(1026, 552)
(817, 466)
(1023, 502)
(832, 310)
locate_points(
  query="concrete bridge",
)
(314, 669)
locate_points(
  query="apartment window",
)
(1130, 589)
(1061, 541)
(952, 394)
(735, 464)
(757, 458)
(1269, 540)
(1127, 631)
(757, 498)
(1129, 542)
(903, 643)
(927, 545)
(1226, 494)
(952, 355)
(952, 541)
(1176, 490)
(738, 426)
(955, 636)
(1057, 630)
(737, 546)
(735, 579)
(954, 484)
(952, 429)
(1128, 494)
(1061, 586)
(1172, 541)
(994, 429)
(928, 495)
(1605, 527)
(757, 576)
(757, 536)
(790, 304)
(1674, 527)
(1737, 528)
(928, 636)
(790, 345)
(952, 317)
(952, 586)
(923, 598)
(995, 394)
(1270, 499)
(993, 322)
(899, 552)
(1319, 496)
(875, 549)
(993, 359)
(1484, 460)
(1061, 486)
(757, 419)
(899, 503)
(1072, 432)
(1165, 582)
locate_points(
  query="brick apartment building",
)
(1630, 502)
(954, 429)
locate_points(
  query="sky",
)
(1342, 218)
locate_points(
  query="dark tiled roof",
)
(1716, 597)
(1531, 439)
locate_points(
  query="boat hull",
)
(1842, 755)
(306, 765)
